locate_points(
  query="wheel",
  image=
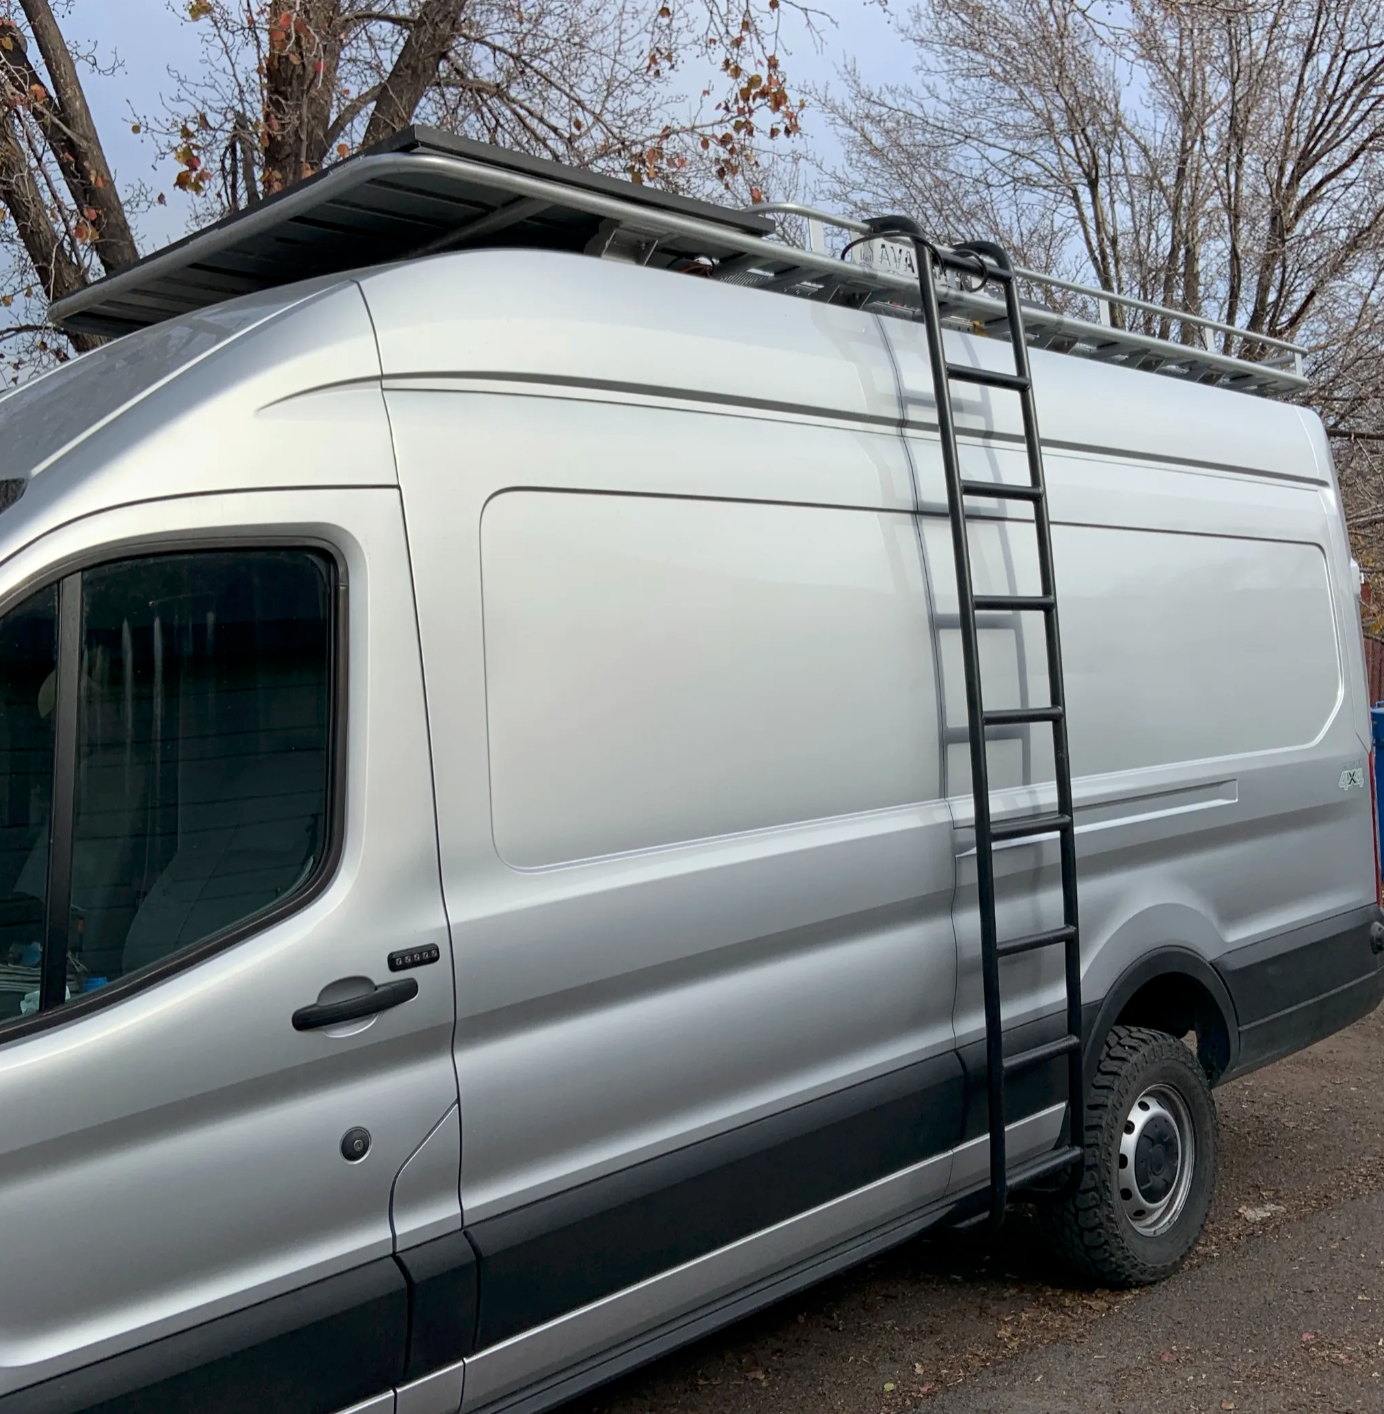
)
(1150, 1172)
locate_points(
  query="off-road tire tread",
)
(1083, 1227)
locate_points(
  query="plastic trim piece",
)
(1279, 973)
(62, 817)
(316, 1350)
(1098, 1016)
(566, 1251)
(442, 1299)
(583, 1348)
(1292, 990)
(1025, 1095)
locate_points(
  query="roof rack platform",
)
(425, 191)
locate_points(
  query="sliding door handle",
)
(309, 1018)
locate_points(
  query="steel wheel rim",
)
(1156, 1160)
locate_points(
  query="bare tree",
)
(591, 82)
(287, 87)
(54, 178)
(1222, 156)
(1225, 155)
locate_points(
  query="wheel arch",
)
(1172, 989)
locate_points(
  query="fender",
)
(1170, 961)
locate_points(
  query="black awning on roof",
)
(421, 191)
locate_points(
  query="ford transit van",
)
(569, 769)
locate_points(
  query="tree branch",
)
(75, 142)
(350, 111)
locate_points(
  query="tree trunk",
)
(59, 274)
(300, 76)
(72, 136)
(415, 70)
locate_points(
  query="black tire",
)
(1104, 1230)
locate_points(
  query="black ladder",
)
(988, 264)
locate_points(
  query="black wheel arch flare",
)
(1218, 1035)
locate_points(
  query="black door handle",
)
(309, 1018)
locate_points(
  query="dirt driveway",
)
(1280, 1309)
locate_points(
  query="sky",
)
(150, 37)
(147, 37)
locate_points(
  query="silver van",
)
(545, 807)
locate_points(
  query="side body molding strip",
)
(334, 1344)
(561, 1253)
(540, 1368)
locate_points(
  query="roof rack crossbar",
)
(509, 214)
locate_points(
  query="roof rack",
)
(1280, 369)
(425, 191)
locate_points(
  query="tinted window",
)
(27, 660)
(202, 751)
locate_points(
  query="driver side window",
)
(168, 776)
(28, 657)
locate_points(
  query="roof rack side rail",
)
(1292, 353)
(811, 213)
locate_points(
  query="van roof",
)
(279, 375)
(425, 191)
(516, 320)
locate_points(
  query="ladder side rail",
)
(1062, 769)
(975, 713)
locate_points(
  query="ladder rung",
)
(1017, 716)
(1042, 1166)
(988, 377)
(1027, 825)
(1004, 603)
(1026, 1060)
(1002, 491)
(1035, 940)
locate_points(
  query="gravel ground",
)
(1281, 1307)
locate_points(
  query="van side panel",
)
(664, 669)
(569, 321)
(1207, 655)
(1219, 815)
(1344, 576)
(748, 989)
